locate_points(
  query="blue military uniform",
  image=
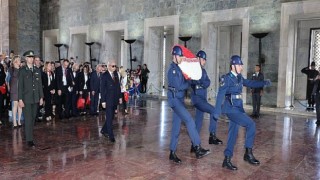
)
(230, 91)
(177, 85)
(199, 100)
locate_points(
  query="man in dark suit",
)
(64, 89)
(257, 92)
(2, 82)
(30, 94)
(95, 90)
(75, 89)
(110, 97)
(312, 73)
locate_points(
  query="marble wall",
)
(264, 16)
(28, 26)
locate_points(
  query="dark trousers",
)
(30, 113)
(48, 103)
(65, 101)
(144, 85)
(1, 106)
(310, 97)
(74, 99)
(318, 106)
(94, 103)
(107, 127)
(256, 102)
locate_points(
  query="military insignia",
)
(221, 81)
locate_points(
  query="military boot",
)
(192, 150)
(248, 156)
(200, 152)
(173, 157)
(214, 140)
(228, 164)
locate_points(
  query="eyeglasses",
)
(113, 66)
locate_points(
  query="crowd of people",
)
(64, 83)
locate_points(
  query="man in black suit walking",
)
(110, 97)
(64, 88)
(257, 92)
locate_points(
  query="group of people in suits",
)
(60, 85)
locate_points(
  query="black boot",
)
(214, 140)
(173, 157)
(228, 164)
(248, 156)
(200, 152)
(192, 150)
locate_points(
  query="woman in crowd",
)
(49, 88)
(84, 85)
(123, 86)
(14, 71)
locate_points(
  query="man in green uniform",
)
(30, 94)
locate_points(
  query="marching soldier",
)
(177, 85)
(311, 73)
(30, 94)
(199, 100)
(230, 89)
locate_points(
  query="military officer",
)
(30, 94)
(177, 85)
(312, 73)
(230, 90)
(199, 100)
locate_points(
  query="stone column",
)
(4, 28)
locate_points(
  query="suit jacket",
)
(95, 82)
(30, 85)
(260, 77)
(45, 80)
(59, 78)
(110, 89)
(2, 75)
(75, 80)
(82, 81)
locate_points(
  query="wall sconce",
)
(185, 39)
(58, 45)
(260, 36)
(130, 41)
(91, 59)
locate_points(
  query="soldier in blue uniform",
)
(177, 85)
(199, 100)
(230, 91)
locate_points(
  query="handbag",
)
(80, 103)
(126, 96)
(3, 89)
(88, 101)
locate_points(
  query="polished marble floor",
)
(288, 147)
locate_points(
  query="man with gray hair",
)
(110, 97)
(95, 90)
